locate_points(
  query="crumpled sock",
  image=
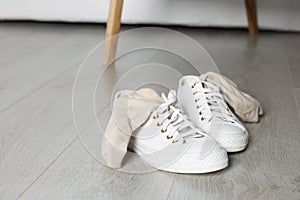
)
(245, 106)
(130, 110)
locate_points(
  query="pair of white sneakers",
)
(190, 132)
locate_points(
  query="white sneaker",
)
(168, 141)
(204, 104)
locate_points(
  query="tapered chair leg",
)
(251, 15)
(112, 28)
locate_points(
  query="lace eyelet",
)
(202, 118)
(196, 100)
(162, 130)
(155, 117)
(200, 113)
(158, 124)
(174, 141)
(198, 107)
(169, 137)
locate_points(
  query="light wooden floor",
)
(41, 156)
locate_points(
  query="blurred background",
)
(272, 14)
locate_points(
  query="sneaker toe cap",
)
(232, 137)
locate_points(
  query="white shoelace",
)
(210, 102)
(176, 118)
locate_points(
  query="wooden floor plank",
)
(66, 50)
(22, 44)
(29, 133)
(77, 175)
(297, 99)
(11, 30)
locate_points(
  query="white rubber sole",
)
(174, 168)
(208, 169)
(232, 149)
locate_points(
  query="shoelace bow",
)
(210, 98)
(176, 118)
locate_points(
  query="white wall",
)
(272, 14)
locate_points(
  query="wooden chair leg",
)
(251, 15)
(112, 28)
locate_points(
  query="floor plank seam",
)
(171, 187)
(34, 50)
(60, 154)
(40, 87)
